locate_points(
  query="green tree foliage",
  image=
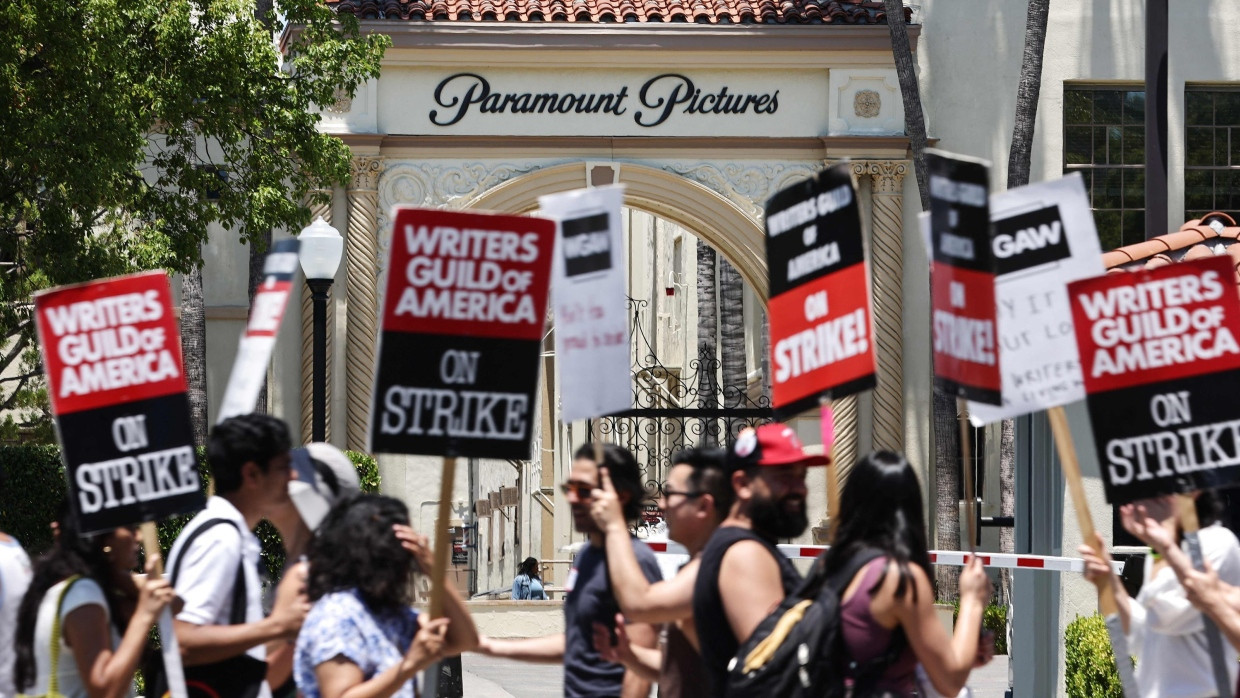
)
(128, 127)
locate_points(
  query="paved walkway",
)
(488, 677)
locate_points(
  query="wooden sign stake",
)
(174, 673)
(442, 543)
(1107, 604)
(833, 483)
(1187, 510)
(966, 455)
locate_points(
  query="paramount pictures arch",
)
(740, 126)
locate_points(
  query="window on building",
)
(1212, 151)
(1104, 140)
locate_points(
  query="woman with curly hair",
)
(362, 639)
(85, 617)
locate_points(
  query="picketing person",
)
(589, 598)
(322, 476)
(15, 573)
(222, 629)
(694, 500)
(1165, 633)
(82, 626)
(890, 602)
(362, 637)
(742, 576)
(527, 585)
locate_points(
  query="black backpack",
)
(810, 660)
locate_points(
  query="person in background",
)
(527, 585)
(15, 576)
(85, 607)
(1165, 632)
(893, 595)
(215, 561)
(589, 597)
(694, 500)
(323, 475)
(362, 638)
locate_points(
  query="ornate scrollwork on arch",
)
(746, 185)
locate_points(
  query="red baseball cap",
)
(771, 445)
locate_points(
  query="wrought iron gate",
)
(671, 409)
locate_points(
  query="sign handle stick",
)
(966, 455)
(1107, 604)
(173, 671)
(1214, 640)
(833, 483)
(440, 571)
(596, 436)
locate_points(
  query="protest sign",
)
(962, 280)
(821, 338)
(259, 339)
(463, 314)
(1043, 238)
(1161, 366)
(112, 354)
(589, 292)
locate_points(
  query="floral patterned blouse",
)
(341, 625)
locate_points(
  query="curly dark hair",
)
(247, 438)
(626, 475)
(71, 554)
(355, 548)
(881, 508)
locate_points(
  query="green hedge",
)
(32, 485)
(994, 619)
(1089, 663)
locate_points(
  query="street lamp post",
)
(321, 249)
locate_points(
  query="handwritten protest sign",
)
(463, 314)
(962, 280)
(821, 337)
(259, 339)
(1044, 238)
(1161, 363)
(112, 355)
(589, 292)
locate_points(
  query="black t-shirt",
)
(590, 600)
(716, 642)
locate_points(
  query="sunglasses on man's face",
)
(581, 489)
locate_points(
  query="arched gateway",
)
(702, 113)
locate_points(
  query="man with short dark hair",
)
(590, 599)
(743, 576)
(696, 497)
(217, 550)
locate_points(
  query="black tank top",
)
(715, 638)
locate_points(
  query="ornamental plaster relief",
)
(746, 184)
(865, 101)
(359, 114)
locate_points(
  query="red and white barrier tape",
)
(937, 557)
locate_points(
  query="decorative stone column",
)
(317, 209)
(362, 270)
(887, 257)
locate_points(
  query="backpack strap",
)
(53, 677)
(240, 596)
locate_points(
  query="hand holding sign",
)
(605, 506)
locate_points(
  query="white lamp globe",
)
(321, 249)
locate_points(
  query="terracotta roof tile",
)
(609, 11)
(1192, 241)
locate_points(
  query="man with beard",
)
(695, 499)
(742, 576)
(590, 599)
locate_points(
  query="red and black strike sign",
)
(463, 316)
(117, 386)
(962, 280)
(821, 338)
(1160, 353)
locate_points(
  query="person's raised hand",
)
(620, 651)
(153, 593)
(418, 545)
(605, 506)
(974, 582)
(291, 603)
(1137, 520)
(428, 644)
(1097, 558)
(1204, 589)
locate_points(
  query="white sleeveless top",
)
(84, 592)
